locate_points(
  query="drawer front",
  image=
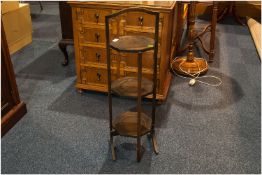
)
(96, 55)
(93, 75)
(140, 19)
(88, 15)
(96, 75)
(92, 54)
(91, 35)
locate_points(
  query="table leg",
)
(63, 45)
(213, 32)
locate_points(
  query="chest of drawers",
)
(90, 48)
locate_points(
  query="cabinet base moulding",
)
(12, 117)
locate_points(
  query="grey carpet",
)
(200, 129)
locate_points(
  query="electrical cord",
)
(195, 77)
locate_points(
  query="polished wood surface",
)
(152, 5)
(89, 37)
(128, 86)
(126, 124)
(12, 109)
(132, 43)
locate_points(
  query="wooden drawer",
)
(89, 15)
(92, 54)
(140, 19)
(89, 54)
(91, 35)
(93, 75)
(96, 75)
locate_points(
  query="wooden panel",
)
(18, 27)
(152, 5)
(76, 44)
(92, 54)
(12, 109)
(12, 117)
(7, 101)
(90, 15)
(93, 75)
(140, 19)
(91, 35)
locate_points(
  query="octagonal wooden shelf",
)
(126, 124)
(133, 44)
(127, 87)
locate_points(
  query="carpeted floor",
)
(200, 129)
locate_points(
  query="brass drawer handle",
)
(97, 35)
(98, 57)
(98, 76)
(141, 19)
(97, 17)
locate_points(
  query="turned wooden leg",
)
(62, 45)
(187, 18)
(179, 30)
(237, 18)
(213, 32)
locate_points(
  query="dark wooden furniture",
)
(230, 9)
(132, 124)
(66, 28)
(12, 109)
